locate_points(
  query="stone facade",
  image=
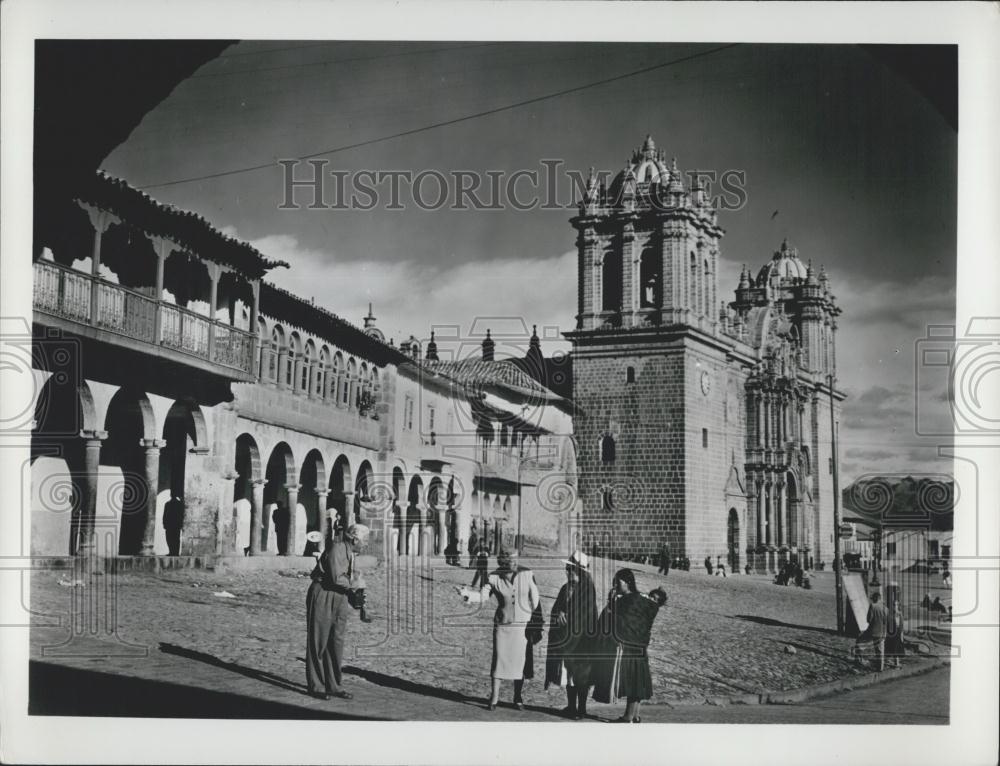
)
(210, 408)
(705, 428)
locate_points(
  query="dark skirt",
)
(624, 675)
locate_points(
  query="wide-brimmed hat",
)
(579, 559)
(359, 531)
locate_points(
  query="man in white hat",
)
(327, 603)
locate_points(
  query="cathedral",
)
(701, 422)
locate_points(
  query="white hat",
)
(578, 559)
(314, 537)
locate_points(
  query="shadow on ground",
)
(426, 690)
(779, 624)
(60, 690)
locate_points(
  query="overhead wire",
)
(453, 121)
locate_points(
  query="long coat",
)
(572, 644)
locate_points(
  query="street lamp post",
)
(837, 563)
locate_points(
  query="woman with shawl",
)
(626, 626)
(572, 628)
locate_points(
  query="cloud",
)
(408, 297)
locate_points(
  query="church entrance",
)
(733, 540)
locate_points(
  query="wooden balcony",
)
(87, 305)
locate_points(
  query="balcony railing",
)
(71, 295)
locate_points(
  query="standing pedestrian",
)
(628, 622)
(473, 546)
(664, 558)
(327, 607)
(708, 564)
(720, 568)
(572, 629)
(895, 650)
(173, 521)
(945, 575)
(517, 597)
(878, 619)
(479, 579)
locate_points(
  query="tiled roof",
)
(478, 374)
(287, 307)
(187, 229)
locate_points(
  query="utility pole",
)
(837, 563)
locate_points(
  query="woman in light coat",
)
(517, 596)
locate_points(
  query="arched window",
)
(693, 284)
(611, 279)
(649, 279)
(707, 286)
(305, 369)
(608, 449)
(294, 354)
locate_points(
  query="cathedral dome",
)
(785, 265)
(646, 166)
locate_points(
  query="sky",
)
(839, 154)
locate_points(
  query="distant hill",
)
(891, 501)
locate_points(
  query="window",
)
(830, 465)
(704, 438)
(607, 499)
(608, 449)
(430, 418)
(890, 550)
(408, 414)
(630, 374)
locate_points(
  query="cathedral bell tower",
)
(648, 248)
(650, 375)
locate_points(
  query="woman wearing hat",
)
(327, 608)
(517, 597)
(572, 628)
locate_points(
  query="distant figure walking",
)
(945, 575)
(479, 579)
(720, 568)
(517, 597)
(473, 546)
(572, 628)
(626, 625)
(878, 620)
(664, 558)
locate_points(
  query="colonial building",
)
(701, 422)
(184, 405)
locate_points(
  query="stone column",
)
(629, 276)
(256, 515)
(349, 516)
(292, 494)
(82, 539)
(282, 371)
(780, 513)
(768, 516)
(322, 519)
(152, 476)
(442, 525)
